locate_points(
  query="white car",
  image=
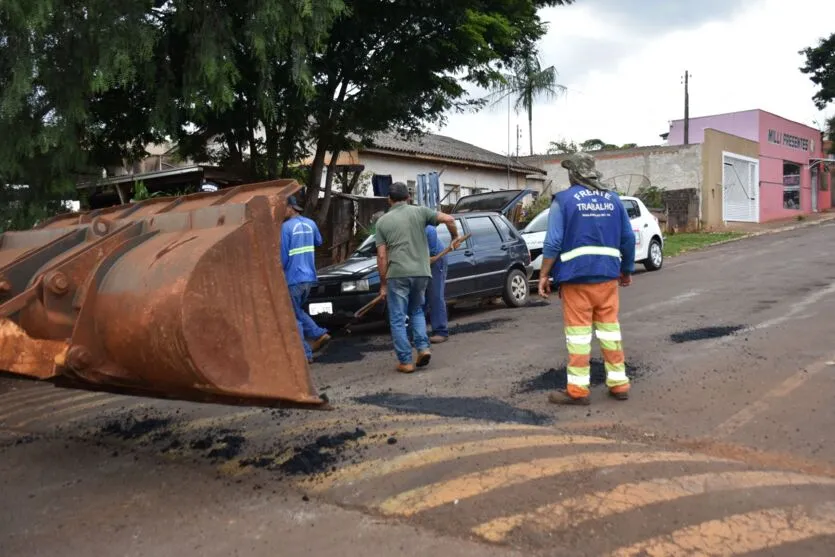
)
(649, 242)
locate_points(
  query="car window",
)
(504, 228)
(485, 234)
(538, 224)
(632, 209)
(367, 249)
(443, 233)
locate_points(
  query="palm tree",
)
(526, 82)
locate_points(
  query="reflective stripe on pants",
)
(588, 307)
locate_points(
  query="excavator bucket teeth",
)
(179, 298)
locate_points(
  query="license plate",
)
(316, 309)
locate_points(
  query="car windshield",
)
(538, 224)
(367, 249)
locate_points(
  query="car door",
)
(491, 253)
(639, 227)
(461, 264)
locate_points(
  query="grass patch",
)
(676, 244)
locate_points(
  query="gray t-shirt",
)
(403, 231)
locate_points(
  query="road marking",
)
(740, 533)
(681, 298)
(322, 425)
(418, 459)
(71, 410)
(761, 406)
(43, 405)
(45, 397)
(572, 513)
(435, 495)
(214, 421)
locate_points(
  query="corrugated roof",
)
(444, 147)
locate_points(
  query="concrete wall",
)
(405, 169)
(669, 168)
(741, 124)
(715, 142)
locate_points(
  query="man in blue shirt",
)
(435, 292)
(590, 247)
(299, 239)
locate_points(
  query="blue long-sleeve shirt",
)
(436, 246)
(299, 239)
(581, 219)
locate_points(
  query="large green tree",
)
(255, 84)
(525, 83)
(820, 67)
(401, 65)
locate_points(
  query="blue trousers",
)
(405, 299)
(307, 326)
(436, 301)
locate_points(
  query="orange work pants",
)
(584, 306)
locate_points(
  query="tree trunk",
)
(271, 136)
(314, 181)
(530, 127)
(353, 183)
(322, 215)
(253, 147)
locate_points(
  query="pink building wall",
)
(771, 166)
(741, 124)
(779, 140)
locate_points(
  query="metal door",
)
(741, 188)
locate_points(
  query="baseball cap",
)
(294, 203)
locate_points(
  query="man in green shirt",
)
(403, 264)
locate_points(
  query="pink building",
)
(788, 177)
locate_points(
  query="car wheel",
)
(515, 289)
(655, 257)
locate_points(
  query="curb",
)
(744, 236)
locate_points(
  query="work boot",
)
(621, 392)
(423, 358)
(438, 339)
(320, 342)
(562, 397)
(406, 368)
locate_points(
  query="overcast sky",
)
(623, 62)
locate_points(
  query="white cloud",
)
(627, 90)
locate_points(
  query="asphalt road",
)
(723, 449)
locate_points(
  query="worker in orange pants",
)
(589, 251)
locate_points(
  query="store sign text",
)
(791, 141)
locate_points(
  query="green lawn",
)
(676, 244)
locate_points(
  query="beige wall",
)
(466, 176)
(714, 144)
(669, 168)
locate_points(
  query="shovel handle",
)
(448, 249)
(367, 307)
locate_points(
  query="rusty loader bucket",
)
(178, 298)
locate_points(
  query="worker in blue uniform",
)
(299, 239)
(589, 250)
(435, 293)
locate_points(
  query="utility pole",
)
(687, 107)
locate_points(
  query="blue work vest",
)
(590, 234)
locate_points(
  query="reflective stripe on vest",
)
(589, 250)
(299, 251)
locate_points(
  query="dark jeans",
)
(435, 299)
(405, 299)
(307, 327)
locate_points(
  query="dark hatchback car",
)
(494, 261)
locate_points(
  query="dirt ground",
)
(723, 449)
